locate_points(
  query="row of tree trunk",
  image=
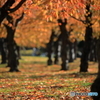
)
(86, 50)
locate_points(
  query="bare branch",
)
(78, 19)
(19, 19)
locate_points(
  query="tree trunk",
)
(71, 51)
(49, 55)
(96, 84)
(75, 48)
(50, 49)
(11, 45)
(88, 40)
(3, 51)
(18, 51)
(92, 55)
(12, 56)
(86, 50)
(64, 46)
(56, 60)
(57, 50)
(64, 55)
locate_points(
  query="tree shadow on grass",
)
(6, 74)
(64, 76)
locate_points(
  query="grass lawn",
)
(37, 81)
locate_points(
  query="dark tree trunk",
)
(75, 48)
(64, 56)
(71, 52)
(88, 40)
(3, 51)
(49, 55)
(11, 45)
(18, 51)
(50, 48)
(64, 46)
(12, 56)
(71, 44)
(92, 55)
(86, 50)
(57, 50)
(96, 84)
(56, 60)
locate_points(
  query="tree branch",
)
(4, 9)
(19, 19)
(78, 19)
(8, 4)
(17, 7)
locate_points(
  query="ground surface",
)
(37, 81)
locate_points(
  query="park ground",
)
(37, 81)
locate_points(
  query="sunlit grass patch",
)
(33, 60)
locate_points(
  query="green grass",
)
(39, 81)
(26, 52)
(33, 60)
